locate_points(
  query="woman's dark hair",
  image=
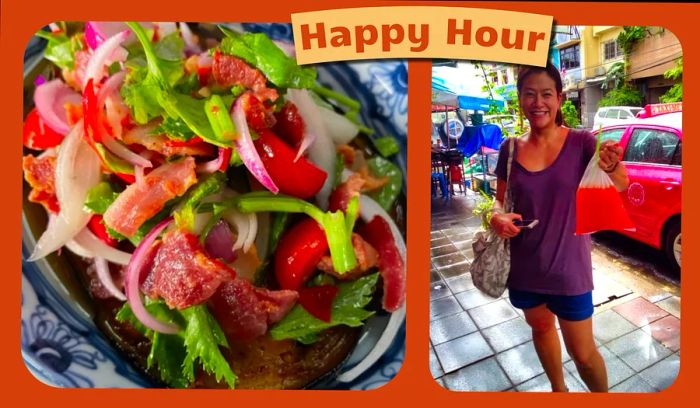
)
(551, 72)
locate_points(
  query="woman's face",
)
(539, 100)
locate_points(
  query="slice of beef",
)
(182, 274)
(245, 311)
(40, 174)
(228, 71)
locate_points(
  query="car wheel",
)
(672, 242)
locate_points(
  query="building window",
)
(611, 50)
(570, 57)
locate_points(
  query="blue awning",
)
(477, 103)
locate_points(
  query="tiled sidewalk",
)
(478, 343)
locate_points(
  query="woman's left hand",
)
(609, 154)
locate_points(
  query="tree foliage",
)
(629, 36)
(625, 95)
(675, 94)
(570, 114)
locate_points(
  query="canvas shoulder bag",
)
(491, 264)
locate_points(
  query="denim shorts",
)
(574, 308)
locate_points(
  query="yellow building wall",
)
(592, 40)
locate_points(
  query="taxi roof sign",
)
(656, 109)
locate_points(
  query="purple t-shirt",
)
(550, 258)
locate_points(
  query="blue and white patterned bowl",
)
(60, 343)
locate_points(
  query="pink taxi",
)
(652, 155)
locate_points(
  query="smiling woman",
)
(158, 176)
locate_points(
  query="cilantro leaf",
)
(177, 355)
(348, 309)
(60, 49)
(203, 336)
(258, 50)
(100, 197)
(175, 129)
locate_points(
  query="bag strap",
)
(507, 202)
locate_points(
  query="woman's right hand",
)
(503, 224)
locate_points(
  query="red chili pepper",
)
(36, 135)
(196, 140)
(203, 74)
(227, 158)
(129, 178)
(298, 252)
(290, 125)
(100, 230)
(318, 300)
(90, 114)
(300, 179)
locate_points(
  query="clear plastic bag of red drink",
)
(598, 203)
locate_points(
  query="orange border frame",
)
(414, 383)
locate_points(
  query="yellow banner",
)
(422, 32)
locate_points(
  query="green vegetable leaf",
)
(100, 197)
(184, 216)
(258, 50)
(175, 129)
(177, 355)
(386, 195)
(60, 49)
(203, 336)
(387, 145)
(348, 309)
(112, 162)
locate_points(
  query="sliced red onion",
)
(50, 99)
(219, 242)
(77, 171)
(123, 152)
(246, 149)
(96, 32)
(98, 248)
(309, 112)
(322, 150)
(77, 249)
(105, 277)
(212, 165)
(205, 60)
(340, 128)
(110, 87)
(132, 282)
(246, 225)
(107, 53)
(138, 174)
(54, 27)
(369, 209)
(191, 46)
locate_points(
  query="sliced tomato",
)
(298, 252)
(255, 112)
(300, 179)
(100, 230)
(36, 135)
(318, 300)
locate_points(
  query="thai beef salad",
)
(232, 211)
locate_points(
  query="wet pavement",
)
(478, 343)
